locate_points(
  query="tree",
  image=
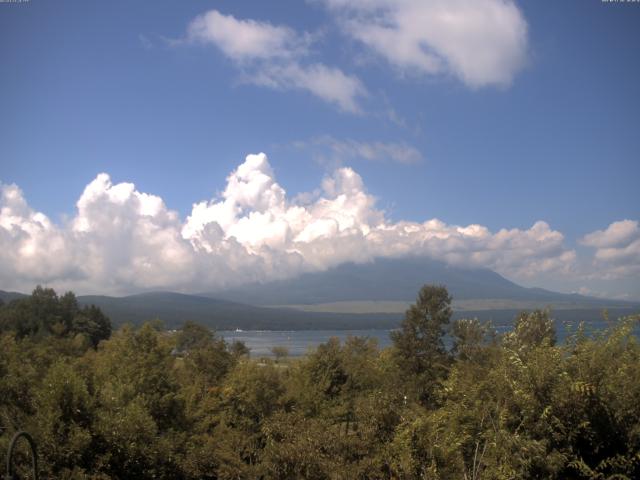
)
(239, 349)
(279, 352)
(419, 345)
(469, 338)
(192, 336)
(91, 322)
(531, 329)
(45, 314)
(63, 420)
(138, 405)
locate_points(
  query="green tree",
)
(139, 410)
(531, 329)
(470, 336)
(239, 349)
(419, 346)
(45, 314)
(90, 321)
(192, 336)
(280, 352)
(62, 421)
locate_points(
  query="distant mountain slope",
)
(394, 280)
(351, 296)
(6, 297)
(175, 308)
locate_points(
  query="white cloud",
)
(31, 247)
(327, 83)
(617, 249)
(123, 240)
(481, 42)
(243, 40)
(333, 151)
(274, 56)
(600, 294)
(617, 234)
(124, 237)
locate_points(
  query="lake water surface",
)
(300, 342)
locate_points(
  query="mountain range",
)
(396, 280)
(350, 296)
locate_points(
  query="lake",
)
(299, 342)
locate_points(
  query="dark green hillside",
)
(175, 308)
(6, 297)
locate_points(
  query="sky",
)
(193, 145)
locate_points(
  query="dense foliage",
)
(44, 313)
(146, 403)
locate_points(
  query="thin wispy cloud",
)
(327, 83)
(331, 151)
(277, 57)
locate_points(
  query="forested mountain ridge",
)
(176, 308)
(350, 296)
(173, 309)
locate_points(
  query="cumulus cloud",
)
(274, 56)
(617, 249)
(31, 246)
(617, 234)
(245, 39)
(481, 42)
(334, 151)
(122, 240)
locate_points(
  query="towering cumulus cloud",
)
(121, 240)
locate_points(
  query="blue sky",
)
(532, 117)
